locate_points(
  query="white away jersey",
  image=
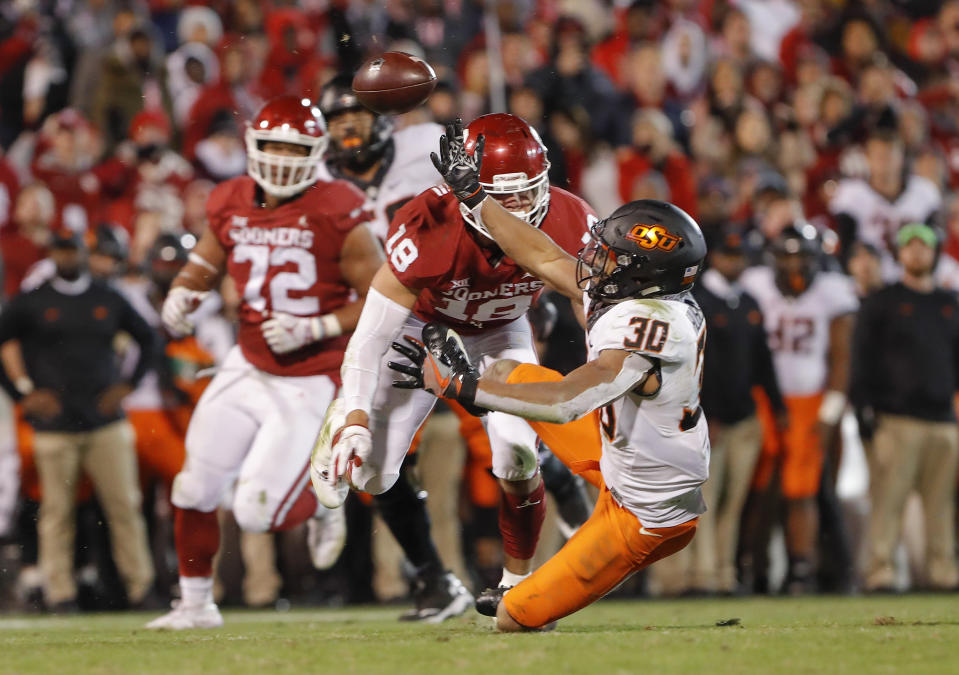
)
(410, 173)
(656, 448)
(878, 219)
(797, 328)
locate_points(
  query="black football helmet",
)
(165, 259)
(644, 249)
(796, 257)
(336, 98)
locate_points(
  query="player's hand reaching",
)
(351, 447)
(459, 169)
(286, 332)
(440, 365)
(179, 303)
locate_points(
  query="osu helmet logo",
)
(653, 236)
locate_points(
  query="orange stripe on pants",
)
(798, 446)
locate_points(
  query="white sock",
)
(196, 590)
(509, 579)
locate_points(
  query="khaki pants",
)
(107, 456)
(912, 454)
(708, 563)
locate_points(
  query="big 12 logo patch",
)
(653, 236)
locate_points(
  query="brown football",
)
(394, 82)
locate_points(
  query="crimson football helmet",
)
(286, 119)
(514, 168)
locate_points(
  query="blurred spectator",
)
(132, 78)
(905, 383)
(685, 56)
(69, 388)
(24, 242)
(643, 21)
(232, 93)
(9, 187)
(873, 209)
(190, 68)
(64, 157)
(570, 81)
(653, 149)
(221, 154)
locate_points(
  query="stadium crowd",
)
(820, 131)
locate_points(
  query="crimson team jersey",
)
(286, 259)
(431, 249)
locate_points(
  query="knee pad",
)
(191, 491)
(518, 462)
(253, 508)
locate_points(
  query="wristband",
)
(24, 385)
(331, 326)
(832, 407)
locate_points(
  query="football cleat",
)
(438, 597)
(186, 617)
(326, 537)
(488, 601)
(330, 496)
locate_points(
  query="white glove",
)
(351, 446)
(286, 332)
(180, 302)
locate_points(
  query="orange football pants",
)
(608, 548)
(797, 448)
(160, 441)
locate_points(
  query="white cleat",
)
(186, 617)
(326, 537)
(330, 496)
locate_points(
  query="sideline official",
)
(69, 386)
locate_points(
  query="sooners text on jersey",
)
(286, 260)
(432, 250)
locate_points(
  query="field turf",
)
(909, 634)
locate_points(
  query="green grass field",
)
(911, 634)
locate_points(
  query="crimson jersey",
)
(286, 259)
(432, 250)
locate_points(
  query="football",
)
(394, 82)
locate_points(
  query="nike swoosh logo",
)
(647, 533)
(529, 503)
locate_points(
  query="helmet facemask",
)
(283, 175)
(525, 198)
(603, 272)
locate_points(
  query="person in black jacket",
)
(906, 356)
(737, 359)
(66, 378)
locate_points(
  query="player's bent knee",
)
(191, 491)
(500, 370)
(252, 514)
(374, 484)
(521, 464)
(505, 623)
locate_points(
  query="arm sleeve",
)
(379, 323)
(145, 336)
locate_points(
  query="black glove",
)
(459, 170)
(440, 365)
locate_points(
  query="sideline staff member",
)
(71, 393)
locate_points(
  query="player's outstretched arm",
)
(203, 271)
(591, 386)
(442, 367)
(530, 247)
(388, 304)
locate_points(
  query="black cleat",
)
(488, 601)
(438, 597)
